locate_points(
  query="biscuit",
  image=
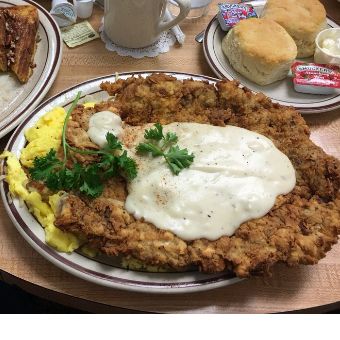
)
(260, 49)
(302, 19)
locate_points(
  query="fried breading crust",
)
(300, 228)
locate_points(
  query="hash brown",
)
(299, 229)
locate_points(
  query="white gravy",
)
(101, 123)
(235, 177)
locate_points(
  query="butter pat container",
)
(63, 13)
(327, 50)
(316, 78)
(230, 14)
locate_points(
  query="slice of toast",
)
(22, 24)
(3, 50)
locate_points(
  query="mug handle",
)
(184, 6)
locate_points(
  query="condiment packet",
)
(78, 34)
(315, 78)
(63, 13)
(230, 14)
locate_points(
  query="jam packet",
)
(316, 78)
(230, 14)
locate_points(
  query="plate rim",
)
(218, 280)
(207, 54)
(40, 90)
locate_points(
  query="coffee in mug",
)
(139, 23)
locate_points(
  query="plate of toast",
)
(259, 52)
(30, 57)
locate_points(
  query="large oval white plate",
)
(100, 270)
(27, 96)
(281, 91)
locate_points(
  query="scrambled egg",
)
(89, 104)
(43, 136)
(17, 180)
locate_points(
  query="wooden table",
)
(289, 289)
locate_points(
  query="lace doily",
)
(162, 45)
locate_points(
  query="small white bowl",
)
(321, 56)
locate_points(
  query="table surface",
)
(289, 289)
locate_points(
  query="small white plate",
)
(102, 270)
(281, 92)
(18, 103)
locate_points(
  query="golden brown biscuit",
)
(260, 49)
(303, 20)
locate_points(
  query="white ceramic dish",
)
(281, 91)
(100, 270)
(27, 96)
(323, 56)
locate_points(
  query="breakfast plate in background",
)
(281, 91)
(18, 100)
(101, 270)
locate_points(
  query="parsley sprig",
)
(89, 179)
(163, 145)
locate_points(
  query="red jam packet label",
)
(316, 74)
(230, 14)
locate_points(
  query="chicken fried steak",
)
(299, 229)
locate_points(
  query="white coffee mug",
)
(139, 23)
